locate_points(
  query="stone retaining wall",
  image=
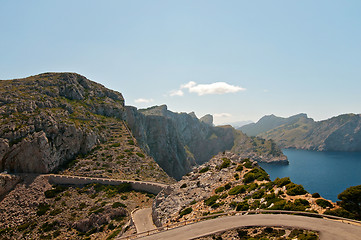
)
(150, 187)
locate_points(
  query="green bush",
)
(140, 154)
(211, 200)
(247, 163)
(237, 190)
(54, 192)
(303, 202)
(225, 164)
(227, 186)
(203, 170)
(219, 189)
(351, 200)
(259, 194)
(295, 189)
(252, 186)
(242, 206)
(118, 204)
(280, 182)
(55, 212)
(340, 212)
(42, 209)
(256, 173)
(323, 203)
(239, 168)
(185, 211)
(316, 195)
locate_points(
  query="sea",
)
(328, 173)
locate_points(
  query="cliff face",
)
(341, 133)
(48, 119)
(178, 141)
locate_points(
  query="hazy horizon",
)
(236, 60)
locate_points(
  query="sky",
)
(237, 60)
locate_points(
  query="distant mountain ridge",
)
(340, 133)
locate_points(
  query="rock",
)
(207, 119)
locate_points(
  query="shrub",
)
(140, 154)
(259, 194)
(211, 200)
(280, 182)
(130, 142)
(351, 200)
(203, 170)
(184, 185)
(242, 206)
(295, 189)
(247, 163)
(340, 212)
(239, 168)
(115, 145)
(227, 186)
(219, 189)
(54, 192)
(236, 176)
(252, 186)
(42, 209)
(316, 195)
(225, 164)
(303, 202)
(256, 173)
(237, 190)
(224, 195)
(185, 211)
(323, 203)
(55, 212)
(118, 204)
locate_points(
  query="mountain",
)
(340, 133)
(55, 119)
(179, 141)
(51, 120)
(267, 123)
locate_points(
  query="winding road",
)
(143, 221)
(329, 229)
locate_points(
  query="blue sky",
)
(238, 60)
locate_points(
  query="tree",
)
(351, 200)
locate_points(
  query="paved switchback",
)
(329, 230)
(143, 221)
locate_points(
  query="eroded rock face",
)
(7, 182)
(179, 141)
(51, 118)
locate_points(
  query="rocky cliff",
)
(341, 133)
(178, 141)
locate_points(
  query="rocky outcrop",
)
(178, 141)
(8, 182)
(49, 119)
(207, 119)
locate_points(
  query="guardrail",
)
(194, 220)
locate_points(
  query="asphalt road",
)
(329, 229)
(143, 221)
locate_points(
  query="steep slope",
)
(267, 123)
(178, 141)
(341, 133)
(51, 119)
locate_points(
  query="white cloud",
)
(213, 88)
(176, 93)
(143, 100)
(222, 115)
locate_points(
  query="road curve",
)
(143, 221)
(329, 229)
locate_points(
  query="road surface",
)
(143, 221)
(329, 230)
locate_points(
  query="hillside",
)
(341, 133)
(226, 183)
(179, 141)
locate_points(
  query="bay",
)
(328, 173)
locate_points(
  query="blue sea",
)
(328, 173)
